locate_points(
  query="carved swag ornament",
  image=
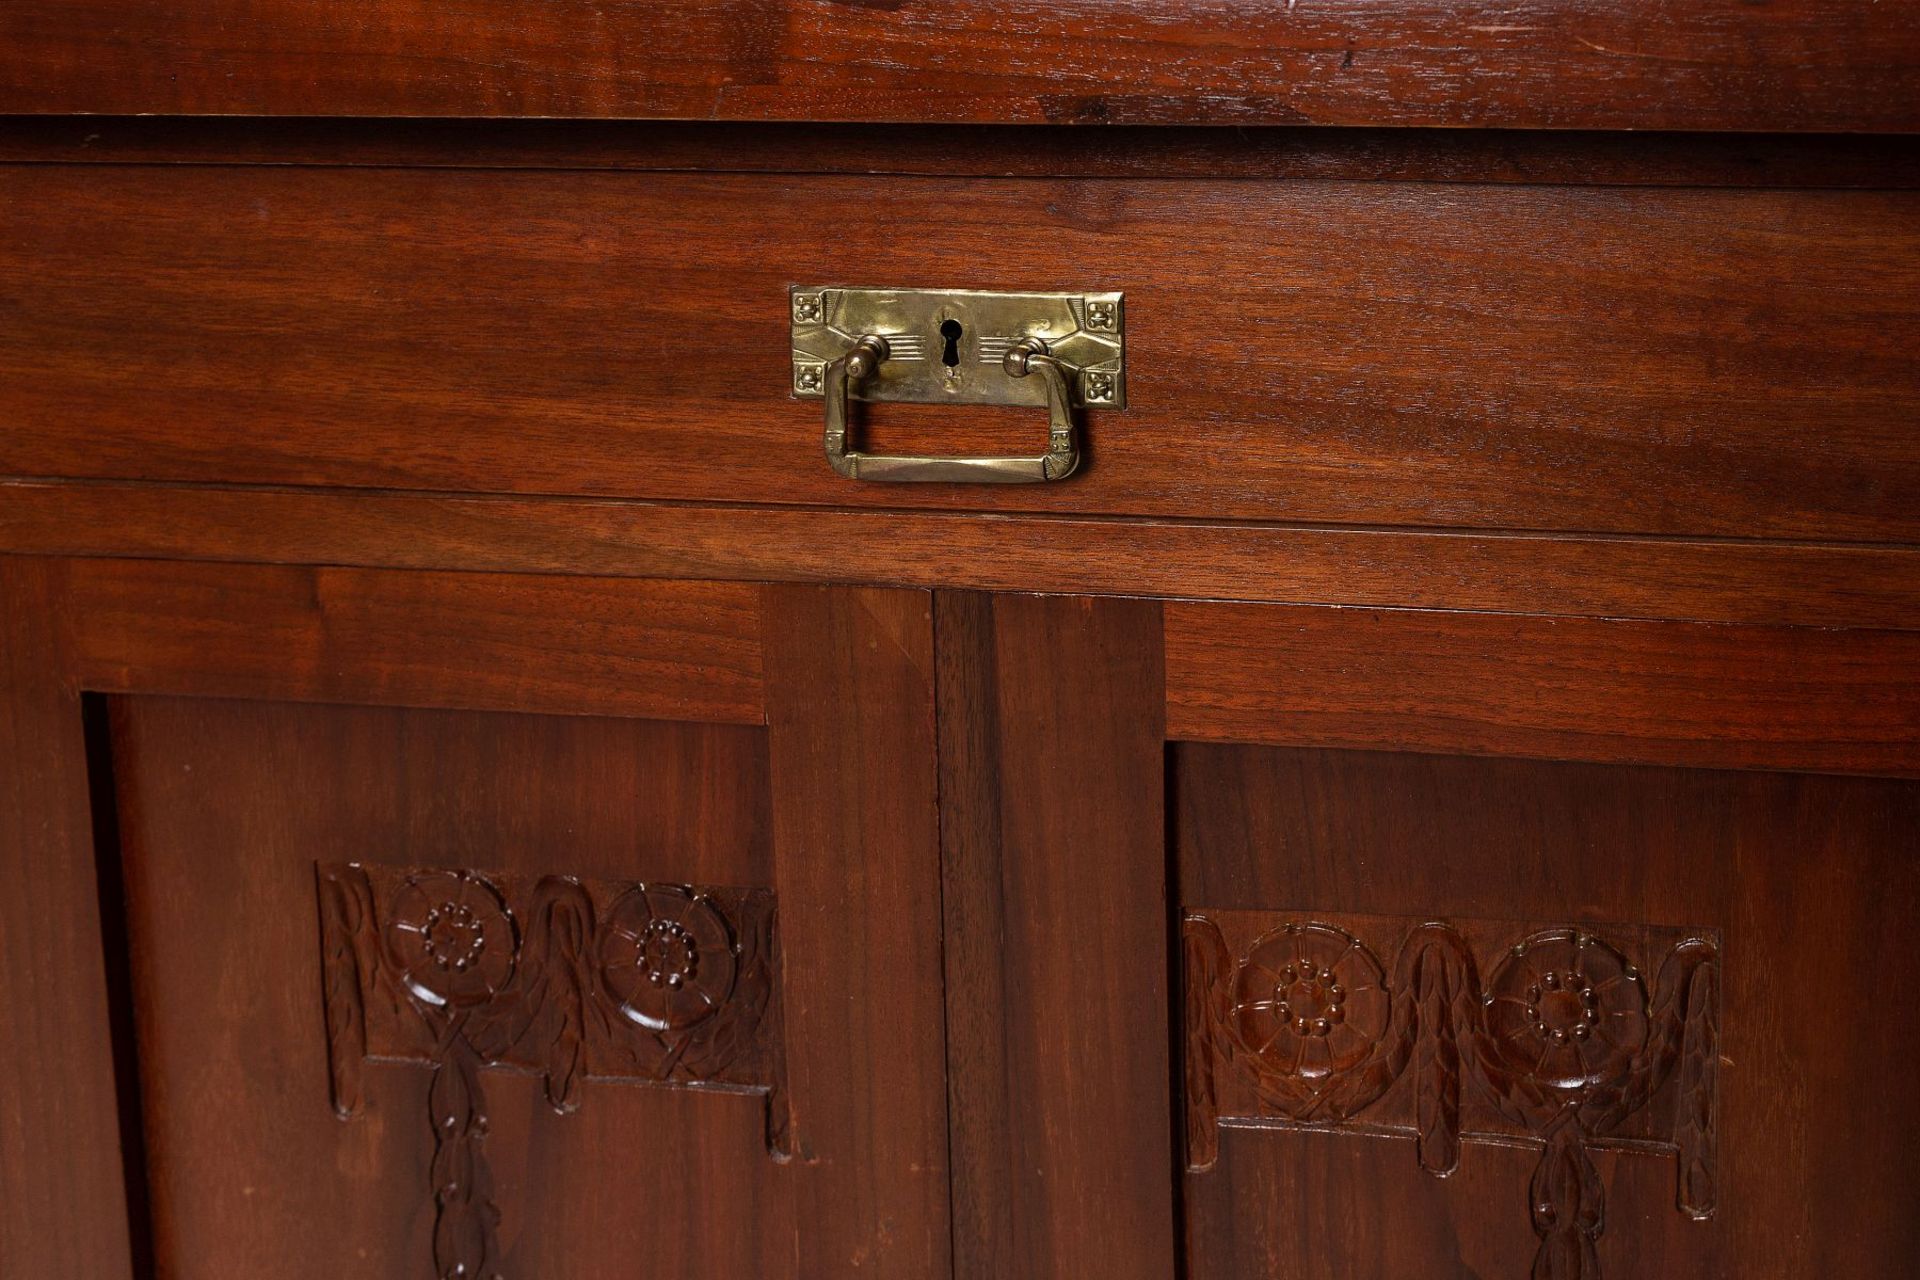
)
(456, 971)
(1561, 1041)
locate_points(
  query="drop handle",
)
(1029, 357)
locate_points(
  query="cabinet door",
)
(1304, 943)
(470, 925)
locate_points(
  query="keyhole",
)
(951, 331)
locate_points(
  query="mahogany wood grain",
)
(1035, 151)
(1710, 581)
(64, 1211)
(225, 807)
(1580, 689)
(850, 715)
(1808, 884)
(1057, 930)
(981, 1081)
(1675, 362)
(1667, 64)
(659, 649)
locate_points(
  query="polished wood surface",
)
(850, 723)
(1556, 688)
(1431, 799)
(1806, 584)
(1668, 64)
(1601, 359)
(1055, 863)
(1806, 882)
(64, 1208)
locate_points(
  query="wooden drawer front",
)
(1706, 362)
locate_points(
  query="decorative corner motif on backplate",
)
(1060, 351)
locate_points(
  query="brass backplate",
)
(946, 345)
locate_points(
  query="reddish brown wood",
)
(64, 1207)
(666, 650)
(982, 1083)
(226, 806)
(1115, 151)
(1795, 64)
(1573, 1039)
(1759, 582)
(1057, 937)
(1584, 689)
(1583, 359)
(1801, 880)
(850, 705)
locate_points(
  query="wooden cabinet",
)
(1432, 796)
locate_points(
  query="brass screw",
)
(806, 307)
(806, 377)
(1097, 386)
(1100, 315)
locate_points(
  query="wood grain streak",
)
(985, 151)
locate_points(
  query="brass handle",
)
(1028, 356)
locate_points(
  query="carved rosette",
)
(667, 957)
(459, 971)
(1562, 1043)
(1309, 1003)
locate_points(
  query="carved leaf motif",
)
(1693, 1127)
(1207, 964)
(346, 926)
(1569, 1210)
(1606, 1109)
(466, 1225)
(542, 1015)
(1444, 997)
(716, 1043)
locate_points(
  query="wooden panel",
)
(64, 1211)
(1057, 927)
(1805, 884)
(1115, 151)
(850, 719)
(1826, 585)
(670, 650)
(1680, 362)
(225, 809)
(1584, 689)
(1794, 64)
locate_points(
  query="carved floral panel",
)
(457, 970)
(1568, 1037)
